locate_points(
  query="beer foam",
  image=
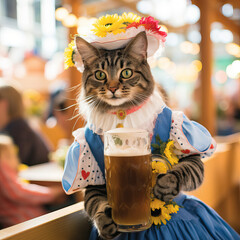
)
(130, 152)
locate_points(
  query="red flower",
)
(149, 24)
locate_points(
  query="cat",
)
(121, 79)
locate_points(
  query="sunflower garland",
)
(166, 159)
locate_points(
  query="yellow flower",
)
(68, 55)
(172, 158)
(173, 208)
(160, 213)
(108, 24)
(128, 18)
(159, 167)
(164, 216)
(156, 204)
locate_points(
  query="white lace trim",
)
(143, 118)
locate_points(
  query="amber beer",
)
(128, 175)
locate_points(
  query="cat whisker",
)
(66, 108)
(79, 116)
(78, 86)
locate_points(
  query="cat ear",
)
(88, 52)
(137, 47)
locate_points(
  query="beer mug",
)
(127, 157)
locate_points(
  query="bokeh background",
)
(199, 68)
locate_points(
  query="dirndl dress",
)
(195, 220)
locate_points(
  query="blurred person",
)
(20, 201)
(32, 148)
(58, 109)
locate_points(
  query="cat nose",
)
(113, 89)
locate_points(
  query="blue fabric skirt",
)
(195, 220)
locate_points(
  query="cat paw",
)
(107, 228)
(166, 187)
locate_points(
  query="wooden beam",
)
(208, 111)
(217, 16)
(75, 77)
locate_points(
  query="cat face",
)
(118, 78)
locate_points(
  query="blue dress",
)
(194, 220)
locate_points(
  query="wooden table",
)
(46, 174)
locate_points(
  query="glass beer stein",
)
(127, 156)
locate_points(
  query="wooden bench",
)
(70, 223)
(220, 190)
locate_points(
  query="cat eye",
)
(100, 75)
(126, 73)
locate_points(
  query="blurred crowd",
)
(21, 144)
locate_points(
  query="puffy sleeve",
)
(81, 168)
(190, 137)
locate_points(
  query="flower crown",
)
(113, 31)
